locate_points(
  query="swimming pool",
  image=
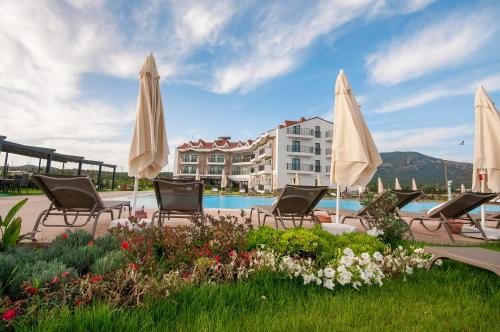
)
(245, 202)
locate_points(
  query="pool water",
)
(245, 202)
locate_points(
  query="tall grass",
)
(454, 297)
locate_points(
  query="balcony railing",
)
(317, 151)
(188, 171)
(300, 131)
(328, 151)
(216, 160)
(317, 168)
(299, 167)
(240, 171)
(329, 134)
(245, 159)
(190, 159)
(299, 148)
(214, 171)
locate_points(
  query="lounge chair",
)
(454, 212)
(403, 199)
(293, 202)
(178, 199)
(75, 197)
(479, 257)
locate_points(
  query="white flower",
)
(329, 272)
(409, 270)
(308, 278)
(378, 256)
(344, 276)
(375, 232)
(438, 262)
(320, 273)
(348, 252)
(365, 257)
(328, 284)
(356, 285)
(419, 251)
(318, 281)
(346, 260)
(263, 297)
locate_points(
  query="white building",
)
(296, 149)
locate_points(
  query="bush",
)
(81, 258)
(75, 238)
(110, 262)
(107, 242)
(264, 235)
(7, 266)
(39, 275)
(301, 242)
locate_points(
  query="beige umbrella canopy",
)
(197, 176)
(223, 181)
(397, 186)
(380, 186)
(275, 181)
(355, 157)
(486, 143)
(413, 185)
(149, 147)
(250, 181)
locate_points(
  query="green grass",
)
(454, 297)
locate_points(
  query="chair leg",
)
(276, 222)
(263, 220)
(444, 221)
(43, 215)
(95, 223)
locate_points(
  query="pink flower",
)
(55, 280)
(125, 245)
(65, 274)
(32, 290)
(96, 279)
(217, 259)
(186, 275)
(133, 266)
(9, 315)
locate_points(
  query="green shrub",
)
(27, 254)
(107, 242)
(110, 262)
(7, 268)
(39, 275)
(75, 238)
(301, 242)
(81, 258)
(264, 235)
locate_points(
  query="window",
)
(296, 164)
(317, 166)
(317, 148)
(215, 170)
(189, 169)
(295, 146)
(190, 158)
(296, 130)
(317, 131)
(216, 158)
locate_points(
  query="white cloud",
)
(420, 138)
(443, 44)
(491, 84)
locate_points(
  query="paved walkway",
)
(37, 203)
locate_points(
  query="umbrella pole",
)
(337, 209)
(482, 173)
(134, 197)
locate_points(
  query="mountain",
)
(426, 170)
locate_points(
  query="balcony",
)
(300, 132)
(187, 159)
(299, 150)
(239, 160)
(266, 152)
(327, 168)
(329, 135)
(216, 161)
(328, 152)
(263, 169)
(299, 168)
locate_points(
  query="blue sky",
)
(69, 69)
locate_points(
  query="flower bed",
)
(126, 267)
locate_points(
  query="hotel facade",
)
(295, 149)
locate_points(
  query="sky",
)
(69, 69)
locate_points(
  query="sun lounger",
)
(454, 212)
(483, 258)
(73, 197)
(403, 199)
(294, 202)
(178, 199)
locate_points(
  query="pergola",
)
(50, 155)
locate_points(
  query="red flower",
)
(9, 314)
(208, 253)
(186, 275)
(90, 244)
(65, 274)
(125, 245)
(217, 259)
(96, 279)
(31, 290)
(232, 253)
(134, 266)
(55, 280)
(78, 301)
(64, 235)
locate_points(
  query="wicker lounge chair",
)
(178, 198)
(454, 212)
(483, 258)
(294, 202)
(403, 199)
(73, 197)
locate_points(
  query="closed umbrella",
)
(275, 181)
(413, 185)
(296, 180)
(380, 186)
(250, 181)
(397, 186)
(486, 168)
(355, 157)
(318, 180)
(149, 147)
(462, 188)
(223, 181)
(197, 176)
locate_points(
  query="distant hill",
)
(425, 169)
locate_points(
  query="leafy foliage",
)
(10, 227)
(110, 262)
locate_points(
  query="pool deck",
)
(37, 203)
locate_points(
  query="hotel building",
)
(295, 149)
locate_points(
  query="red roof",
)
(287, 123)
(220, 144)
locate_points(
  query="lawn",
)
(453, 297)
